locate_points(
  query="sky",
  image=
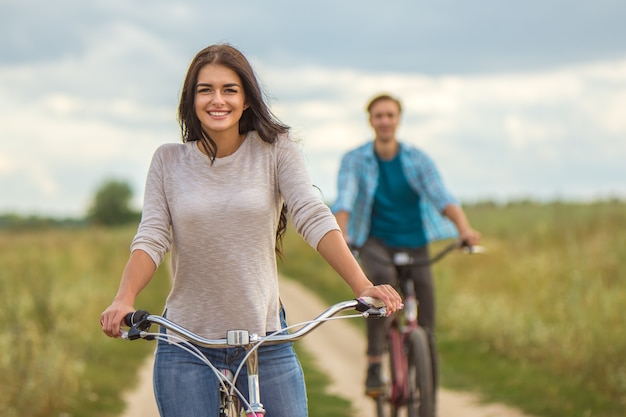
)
(511, 99)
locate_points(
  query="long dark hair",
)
(257, 116)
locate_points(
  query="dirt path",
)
(338, 347)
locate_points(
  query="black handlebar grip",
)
(135, 317)
(371, 306)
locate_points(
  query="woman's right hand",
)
(112, 318)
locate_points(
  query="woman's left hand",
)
(385, 293)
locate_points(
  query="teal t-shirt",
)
(396, 215)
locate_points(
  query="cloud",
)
(501, 136)
(68, 124)
(454, 37)
(88, 90)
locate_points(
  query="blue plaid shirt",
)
(358, 179)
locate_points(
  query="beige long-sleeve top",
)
(219, 220)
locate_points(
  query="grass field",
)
(538, 322)
(548, 297)
(55, 360)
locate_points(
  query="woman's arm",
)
(335, 251)
(138, 272)
(342, 220)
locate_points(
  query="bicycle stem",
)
(254, 390)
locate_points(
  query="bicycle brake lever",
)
(138, 322)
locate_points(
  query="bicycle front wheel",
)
(420, 375)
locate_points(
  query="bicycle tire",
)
(420, 373)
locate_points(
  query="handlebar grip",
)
(135, 317)
(138, 323)
(371, 307)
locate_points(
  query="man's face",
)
(384, 119)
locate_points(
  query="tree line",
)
(110, 207)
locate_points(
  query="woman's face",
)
(219, 100)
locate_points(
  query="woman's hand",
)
(385, 293)
(112, 318)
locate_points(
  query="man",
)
(390, 198)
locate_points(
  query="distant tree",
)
(14, 221)
(111, 205)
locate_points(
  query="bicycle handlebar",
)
(402, 258)
(140, 322)
(459, 244)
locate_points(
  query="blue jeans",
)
(184, 386)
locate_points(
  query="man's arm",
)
(456, 214)
(335, 251)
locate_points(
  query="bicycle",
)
(232, 402)
(409, 357)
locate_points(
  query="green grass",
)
(545, 306)
(549, 297)
(537, 323)
(55, 360)
(527, 385)
(53, 286)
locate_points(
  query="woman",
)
(217, 201)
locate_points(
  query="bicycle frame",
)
(141, 321)
(403, 327)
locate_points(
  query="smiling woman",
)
(219, 202)
(220, 103)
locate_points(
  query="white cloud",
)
(89, 89)
(7, 164)
(525, 133)
(68, 124)
(530, 128)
